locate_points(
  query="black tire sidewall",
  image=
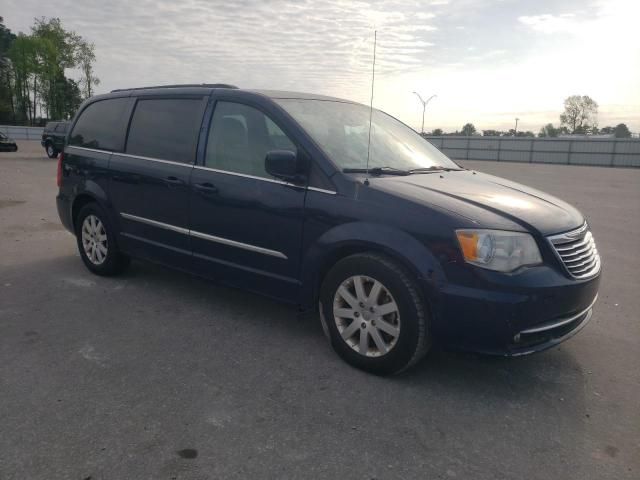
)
(113, 261)
(411, 313)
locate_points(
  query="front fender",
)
(353, 237)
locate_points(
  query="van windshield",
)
(341, 129)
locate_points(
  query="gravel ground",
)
(160, 375)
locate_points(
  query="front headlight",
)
(498, 250)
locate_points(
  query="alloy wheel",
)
(366, 315)
(94, 240)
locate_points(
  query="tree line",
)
(580, 117)
(33, 83)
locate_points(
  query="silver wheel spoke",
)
(386, 309)
(350, 299)
(387, 327)
(374, 293)
(350, 330)
(360, 295)
(344, 312)
(378, 340)
(364, 342)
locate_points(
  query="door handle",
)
(173, 181)
(205, 188)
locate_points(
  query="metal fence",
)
(22, 133)
(610, 152)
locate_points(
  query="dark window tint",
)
(101, 125)
(166, 129)
(240, 138)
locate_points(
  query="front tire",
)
(51, 150)
(97, 242)
(374, 314)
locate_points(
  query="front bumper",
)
(550, 334)
(512, 321)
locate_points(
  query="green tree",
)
(72, 97)
(622, 131)
(491, 133)
(7, 105)
(437, 132)
(56, 52)
(23, 57)
(580, 113)
(468, 130)
(548, 131)
(85, 58)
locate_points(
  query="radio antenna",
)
(373, 79)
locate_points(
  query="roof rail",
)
(203, 85)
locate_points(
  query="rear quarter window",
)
(166, 128)
(102, 125)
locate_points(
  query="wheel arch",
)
(346, 240)
(92, 193)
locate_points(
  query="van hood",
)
(481, 197)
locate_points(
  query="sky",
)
(488, 61)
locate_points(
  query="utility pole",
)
(424, 107)
(517, 125)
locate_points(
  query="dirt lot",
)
(160, 375)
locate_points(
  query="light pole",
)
(424, 106)
(517, 125)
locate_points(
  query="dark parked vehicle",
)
(7, 144)
(270, 192)
(53, 137)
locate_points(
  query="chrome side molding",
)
(205, 236)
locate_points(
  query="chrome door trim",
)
(151, 159)
(245, 175)
(233, 243)
(204, 236)
(67, 147)
(322, 190)
(271, 180)
(154, 223)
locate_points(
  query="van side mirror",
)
(285, 165)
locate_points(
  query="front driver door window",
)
(246, 226)
(240, 137)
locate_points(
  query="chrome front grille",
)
(578, 252)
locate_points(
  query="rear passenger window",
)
(166, 129)
(240, 138)
(101, 125)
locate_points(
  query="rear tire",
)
(51, 150)
(97, 242)
(374, 314)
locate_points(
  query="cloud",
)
(327, 47)
(550, 23)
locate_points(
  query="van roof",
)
(274, 94)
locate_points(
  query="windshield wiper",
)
(377, 171)
(435, 168)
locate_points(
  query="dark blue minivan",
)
(283, 194)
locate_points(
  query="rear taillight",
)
(59, 174)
